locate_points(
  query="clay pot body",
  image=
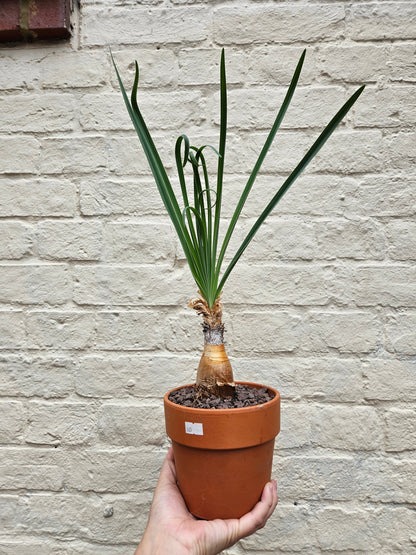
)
(223, 457)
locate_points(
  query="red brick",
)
(47, 19)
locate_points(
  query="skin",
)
(172, 529)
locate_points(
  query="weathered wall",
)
(93, 287)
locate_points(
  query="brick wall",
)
(94, 327)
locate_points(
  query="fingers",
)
(258, 516)
(168, 471)
(169, 454)
(274, 499)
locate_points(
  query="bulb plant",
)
(195, 213)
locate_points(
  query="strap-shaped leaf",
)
(180, 164)
(317, 145)
(160, 176)
(221, 157)
(259, 162)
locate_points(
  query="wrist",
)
(159, 544)
(144, 547)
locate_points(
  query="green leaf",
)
(259, 162)
(159, 173)
(221, 154)
(197, 227)
(315, 148)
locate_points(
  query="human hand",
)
(171, 528)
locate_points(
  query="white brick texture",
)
(94, 324)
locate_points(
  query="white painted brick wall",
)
(94, 327)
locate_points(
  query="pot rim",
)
(223, 429)
(195, 410)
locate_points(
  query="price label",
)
(194, 428)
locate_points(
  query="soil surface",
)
(245, 396)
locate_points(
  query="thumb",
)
(259, 515)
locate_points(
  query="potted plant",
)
(222, 431)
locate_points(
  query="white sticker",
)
(194, 428)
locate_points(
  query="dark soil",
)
(245, 396)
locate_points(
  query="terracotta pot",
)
(223, 456)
